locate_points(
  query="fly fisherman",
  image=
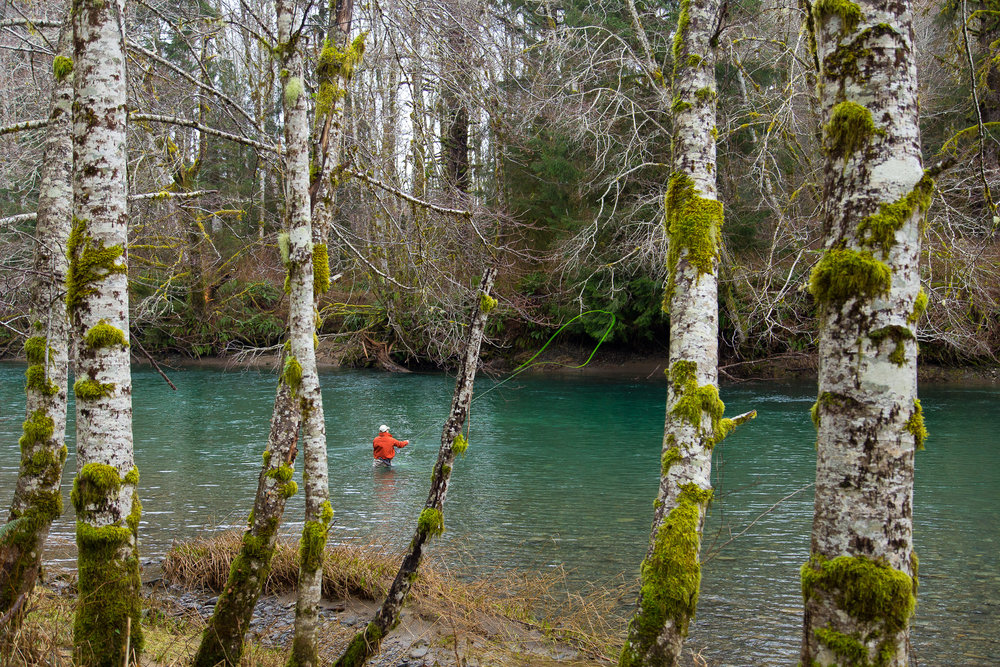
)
(385, 447)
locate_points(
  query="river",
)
(561, 472)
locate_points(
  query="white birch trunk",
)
(104, 491)
(302, 329)
(298, 392)
(37, 499)
(671, 572)
(860, 582)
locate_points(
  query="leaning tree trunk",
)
(104, 491)
(37, 500)
(335, 69)
(222, 642)
(860, 582)
(671, 572)
(431, 520)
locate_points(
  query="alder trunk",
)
(860, 582)
(671, 571)
(37, 499)
(298, 391)
(431, 520)
(105, 489)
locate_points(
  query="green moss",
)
(693, 227)
(37, 428)
(683, 21)
(844, 274)
(878, 231)
(847, 647)
(62, 67)
(266, 456)
(679, 105)
(285, 248)
(919, 307)
(37, 379)
(44, 505)
(326, 512)
(487, 303)
(292, 374)
(671, 575)
(131, 477)
(899, 335)
(103, 334)
(91, 390)
(361, 647)
(692, 402)
(289, 489)
(321, 268)
(705, 94)
(132, 521)
(293, 90)
(870, 591)
(35, 349)
(94, 484)
(109, 594)
(282, 473)
(851, 127)
(915, 425)
(671, 456)
(311, 545)
(694, 60)
(431, 522)
(446, 470)
(849, 13)
(460, 444)
(89, 262)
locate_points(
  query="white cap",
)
(383, 428)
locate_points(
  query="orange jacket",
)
(385, 445)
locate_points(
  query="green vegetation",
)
(844, 274)
(431, 522)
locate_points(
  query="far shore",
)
(611, 365)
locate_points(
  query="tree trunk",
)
(671, 571)
(37, 499)
(431, 521)
(298, 389)
(105, 489)
(860, 581)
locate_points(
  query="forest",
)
(447, 184)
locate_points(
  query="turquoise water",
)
(562, 472)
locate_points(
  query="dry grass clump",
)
(506, 612)
(348, 571)
(46, 634)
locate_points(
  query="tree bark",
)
(671, 571)
(37, 499)
(431, 521)
(298, 390)
(860, 582)
(105, 489)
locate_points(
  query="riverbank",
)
(620, 365)
(451, 621)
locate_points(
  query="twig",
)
(153, 361)
(128, 638)
(402, 195)
(987, 194)
(163, 194)
(13, 610)
(26, 125)
(176, 120)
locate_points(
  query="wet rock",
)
(418, 652)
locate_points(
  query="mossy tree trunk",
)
(37, 499)
(298, 389)
(860, 581)
(671, 571)
(105, 489)
(431, 521)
